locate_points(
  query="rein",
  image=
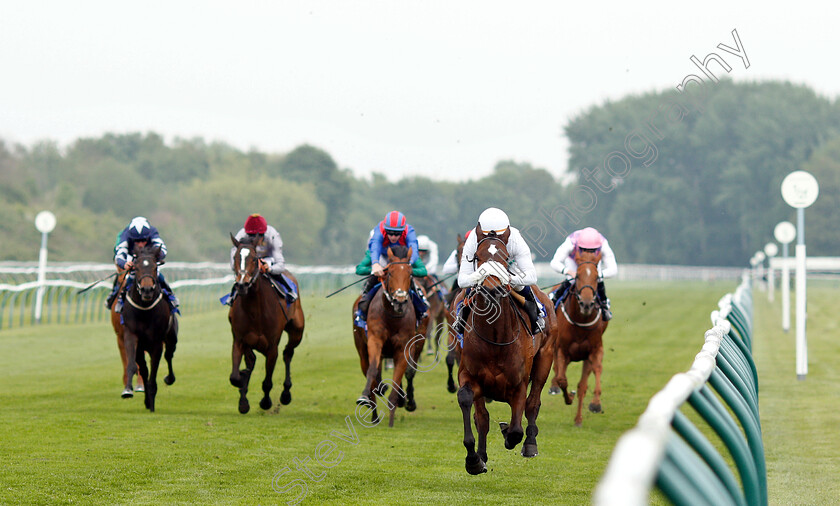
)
(468, 302)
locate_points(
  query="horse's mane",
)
(399, 250)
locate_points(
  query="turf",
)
(68, 437)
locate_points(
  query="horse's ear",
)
(479, 233)
(506, 235)
(460, 239)
(391, 256)
(408, 255)
(234, 241)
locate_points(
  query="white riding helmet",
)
(493, 219)
(424, 243)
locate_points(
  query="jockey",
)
(494, 221)
(138, 233)
(428, 253)
(587, 239)
(391, 231)
(269, 248)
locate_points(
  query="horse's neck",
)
(505, 317)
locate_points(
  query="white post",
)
(770, 249)
(45, 223)
(801, 299)
(785, 290)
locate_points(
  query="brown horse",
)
(149, 325)
(392, 332)
(581, 329)
(500, 358)
(116, 323)
(433, 290)
(454, 355)
(258, 317)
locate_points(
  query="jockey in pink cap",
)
(564, 263)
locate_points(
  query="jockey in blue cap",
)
(391, 231)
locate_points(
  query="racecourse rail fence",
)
(200, 285)
(667, 450)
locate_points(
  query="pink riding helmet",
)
(589, 238)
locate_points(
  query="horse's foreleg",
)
(597, 361)
(130, 344)
(373, 374)
(151, 385)
(169, 350)
(473, 463)
(513, 432)
(560, 383)
(267, 384)
(398, 396)
(581, 391)
(236, 358)
(295, 337)
(482, 426)
(144, 371)
(539, 375)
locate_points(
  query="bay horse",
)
(580, 334)
(258, 317)
(392, 332)
(116, 323)
(149, 324)
(499, 357)
(433, 291)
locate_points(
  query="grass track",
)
(68, 438)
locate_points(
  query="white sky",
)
(443, 89)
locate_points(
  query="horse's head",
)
(586, 279)
(491, 258)
(246, 265)
(396, 282)
(146, 271)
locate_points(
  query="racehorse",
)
(258, 317)
(454, 355)
(500, 358)
(116, 323)
(149, 324)
(392, 332)
(433, 291)
(580, 333)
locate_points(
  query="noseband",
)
(391, 296)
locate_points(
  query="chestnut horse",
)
(148, 324)
(392, 332)
(500, 358)
(581, 329)
(116, 323)
(258, 317)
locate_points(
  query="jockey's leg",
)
(462, 311)
(556, 294)
(168, 290)
(603, 301)
(532, 308)
(129, 280)
(422, 297)
(365, 301)
(288, 292)
(113, 295)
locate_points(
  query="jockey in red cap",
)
(564, 263)
(269, 247)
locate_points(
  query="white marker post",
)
(45, 223)
(800, 190)
(785, 233)
(770, 249)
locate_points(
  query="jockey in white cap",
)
(564, 263)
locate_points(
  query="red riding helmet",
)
(394, 221)
(255, 224)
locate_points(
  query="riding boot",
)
(364, 303)
(603, 301)
(113, 295)
(533, 310)
(558, 294)
(165, 286)
(119, 305)
(290, 293)
(422, 297)
(461, 320)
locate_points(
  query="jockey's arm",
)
(466, 269)
(418, 269)
(558, 263)
(363, 269)
(609, 267)
(274, 249)
(451, 264)
(522, 268)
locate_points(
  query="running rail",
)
(666, 450)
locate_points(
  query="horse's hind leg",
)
(130, 343)
(513, 433)
(581, 391)
(295, 336)
(482, 426)
(473, 463)
(560, 383)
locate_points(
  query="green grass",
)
(68, 437)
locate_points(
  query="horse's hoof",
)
(140, 388)
(364, 400)
(475, 465)
(169, 379)
(512, 439)
(265, 403)
(401, 402)
(430, 352)
(235, 383)
(127, 394)
(410, 405)
(381, 390)
(286, 397)
(450, 386)
(244, 407)
(503, 426)
(554, 390)
(595, 408)
(578, 424)
(529, 450)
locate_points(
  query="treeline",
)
(668, 179)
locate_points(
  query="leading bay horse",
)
(392, 332)
(149, 324)
(580, 332)
(258, 317)
(500, 358)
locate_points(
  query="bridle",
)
(151, 274)
(578, 289)
(240, 271)
(390, 296)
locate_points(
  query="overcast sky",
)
(440, 89)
